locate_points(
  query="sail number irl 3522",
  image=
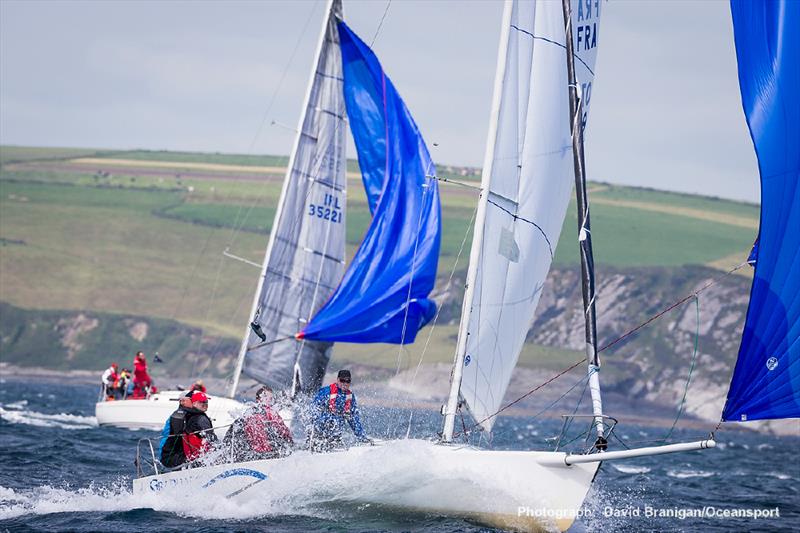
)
(328, 210)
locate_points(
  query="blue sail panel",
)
(383, 296)
(766, 380)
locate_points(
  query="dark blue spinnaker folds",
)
(383, 296)
(766, 381)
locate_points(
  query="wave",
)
(779, 475)
(631, 469)
(48, 500)
(685, 474)
(118, 497)
(15, 413)
(113, 498)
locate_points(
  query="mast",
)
(451, 407)
(584, 231)
(332, 8)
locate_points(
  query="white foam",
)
(779, 475)
(15, 405)
(388, 472)
(409, 471)
(18, 415)
(631, 469)
(685, 474)
(118, 497)
(47, 500)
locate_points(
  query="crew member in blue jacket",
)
(332, 408)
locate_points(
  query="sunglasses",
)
(345, 380)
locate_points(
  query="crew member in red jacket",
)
(141, 379)
(260, 433)
(198, 433)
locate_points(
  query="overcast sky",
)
(202, 76)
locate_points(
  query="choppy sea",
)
(59, 471)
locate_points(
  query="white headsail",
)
(527, 181)
(305, 257)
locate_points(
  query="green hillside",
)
(140, 235)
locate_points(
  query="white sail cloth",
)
(528, 177)
(306, 254)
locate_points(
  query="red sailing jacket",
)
(262, 427)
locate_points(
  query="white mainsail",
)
(526, 185)
(305, 257)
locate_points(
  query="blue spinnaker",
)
(383, 296)
(766, 381)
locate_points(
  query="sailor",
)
(198, 435)
(141, 379)
(121, 385)
(170, 449)
(260, 433)
(198, 385)
(332, 408)
(109, 378)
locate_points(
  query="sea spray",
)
(14, 414)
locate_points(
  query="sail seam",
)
(328, 76)
(537, 226)
(290, 278)
(545, 39)
(293, 244)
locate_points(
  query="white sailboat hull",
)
(520, 490)
(153, 412)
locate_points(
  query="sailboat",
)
(544, 76)
(153, 411)
(305, 300)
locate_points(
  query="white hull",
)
(152, 412)
(510, 489)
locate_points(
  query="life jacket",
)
(197, 434)
(259, 433)
(348, 400)
(172, 453)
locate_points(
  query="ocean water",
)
(60, 472)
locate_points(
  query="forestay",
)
(306, 251)
(766, 381)
(383, 296)
(527, 182)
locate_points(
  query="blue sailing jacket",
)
(332, 424)
(164, 436)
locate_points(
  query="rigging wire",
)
(439, 311)
(282, 78)
(673, 306)
(318, 156)
(236, 226)
(380, 24)
(208, 313)
(691, 370)
(428, 187)
(694, 294)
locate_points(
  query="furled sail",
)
(527, 182)
(766, 380)
(383, 296)
(306, 253)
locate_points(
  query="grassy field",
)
(221, 159)
(103, 249)
(21, 154)
(150, 242)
